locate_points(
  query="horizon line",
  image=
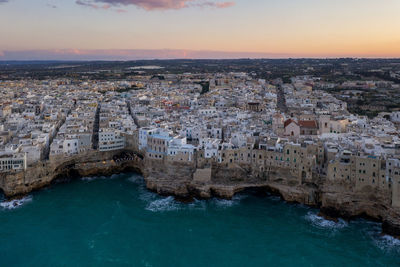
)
(169, 59)
(166, 54)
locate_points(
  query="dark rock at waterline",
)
(185, 200)
(391, 228)
(332, 214)
(327, 217)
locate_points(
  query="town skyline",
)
(137, 29)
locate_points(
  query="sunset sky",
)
(129, 29)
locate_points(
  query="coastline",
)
(180, 181)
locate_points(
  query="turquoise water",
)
(115, 221)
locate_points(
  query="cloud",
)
(225, 4)
(4, 1)
(92, 4)
(155, 4)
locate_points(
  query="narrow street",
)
(95, 137)
(281, 100)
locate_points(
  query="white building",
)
(71, 146)
(395, 117)
(13, 162)
(110, 139)
(145, 132)
(178, 146)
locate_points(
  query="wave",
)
(146, 195)
(321, 222)
(165, 204)
(114, 176)
(93, 178)
(170, 204)
(226, 203)
(389, 242)
(274, 198)
(136, 179)
(155, 204)
(384, 242)
(15, 203)
(197, 205)
(89, 179)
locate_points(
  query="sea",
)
(116, 221)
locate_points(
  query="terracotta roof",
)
(308, 124)
(289, 121)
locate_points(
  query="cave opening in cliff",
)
(261, 192)
(2, 195)
(67, 176)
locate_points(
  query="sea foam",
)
(89, 179)
(136, 180)
(15, 203)
(170, 204)
(164, 204)
(94, 178)
(321, 222)
(226, 203)
(385, 242)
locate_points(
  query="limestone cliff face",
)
(342, 200)
(43, 174)
(21, 183)
(224, 181)
(347, 202)
(168, 178)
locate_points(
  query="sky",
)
(135, 29)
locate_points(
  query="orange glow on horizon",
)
(258, 28)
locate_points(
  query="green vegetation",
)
(127, 89)
(205, 87)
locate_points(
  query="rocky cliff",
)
(224, 181)
(42, 174)
(187, 180)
